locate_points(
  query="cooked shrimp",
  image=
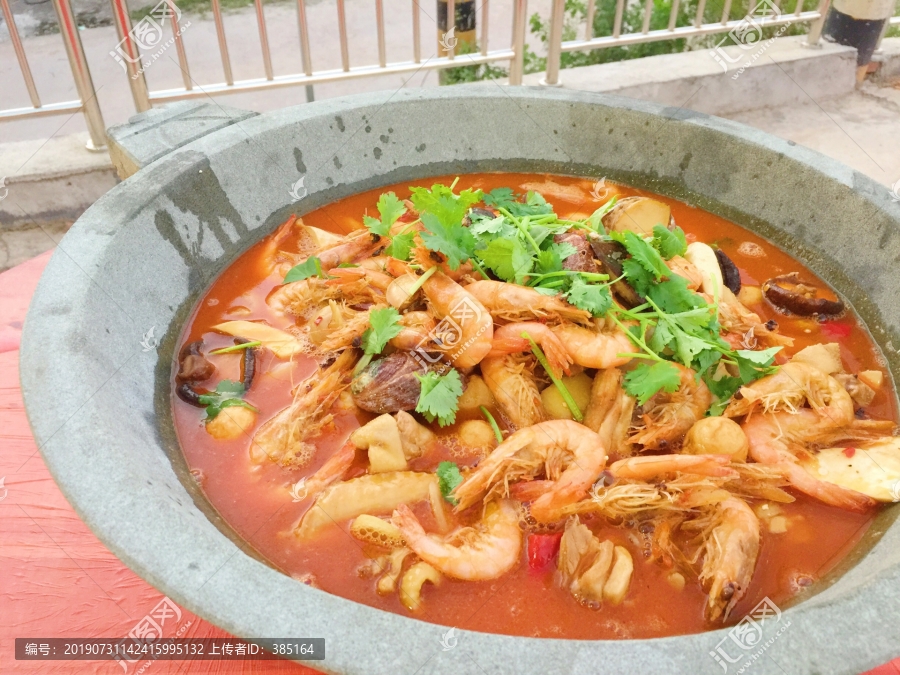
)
(488, 550)
(511, 380)
(332, 470)
(427, 259)
(743, 327)
(667, 417)
(593, 348)
(645, 468)
(299, 297)
(778, 439)
(687, 270)
(794, 384)
(609, 411)
(417, 332)
(350, 333)
(508, 339)
(285, 438)
(569, 455)
(513, 303)
(729, 556)
(468, 327)
(341, 276)
(352, 248)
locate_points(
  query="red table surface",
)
(57, 579)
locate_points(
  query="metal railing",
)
(556, 45)
(144, 98)
(130, 56)
(81, 73)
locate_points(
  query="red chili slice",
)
(835, 330)
(849, 452)
(542, 549)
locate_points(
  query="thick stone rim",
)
(73, 373)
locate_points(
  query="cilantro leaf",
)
(668, 242)
(642, 252)
(535, 205)
(384, 324)
(439, 398)
(455, 241)
(645, 380)
(310, 267)
(390, 208)
(448, 208)
(226, 395)
(400, 246)
(674, 297)
(449, 478)
(754, 364)
(507, 258)
(593, 298)
(502, 196)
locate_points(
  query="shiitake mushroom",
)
(790, 294)
(730, 274)
(609, 255)
(390, 384)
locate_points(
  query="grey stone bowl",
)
(95, 380)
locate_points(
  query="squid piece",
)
(412, 582)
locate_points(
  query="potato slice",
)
(476, 394)
(872, 378)
(638, 214)
(282, 344)
(580, 388)
(620, 577)
(371, 494)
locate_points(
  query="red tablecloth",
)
(56, 578)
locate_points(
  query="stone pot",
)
(98, 345)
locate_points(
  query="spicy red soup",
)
(541, 544)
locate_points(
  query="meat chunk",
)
(583, 259)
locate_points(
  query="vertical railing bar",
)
(673, 15)
(617, 22)
(223, 45)
(698, 17)
(20, 54)
(132, 56)
(648, 11)
(342, 30)
(726, 11)
(451, 25)
(82, 74)
(484, 27)
(884, 30)
(554, 43)
(815, 28)
(516, 65)
(589, 20)
(379, 23)
(264, 39)
(305, 58)
(799, 8)
(417, 36)
(179, 47)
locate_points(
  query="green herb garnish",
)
(439, 398)
(449, 478)
(227, 395)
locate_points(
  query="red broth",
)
(256, 502)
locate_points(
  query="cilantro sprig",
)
(439, 398)
(384, 324)
(390, 208)
(227, 394)
(449, 478)
(311, 267)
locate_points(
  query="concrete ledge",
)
(889, 56)
(50, 180)
(776, 73)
